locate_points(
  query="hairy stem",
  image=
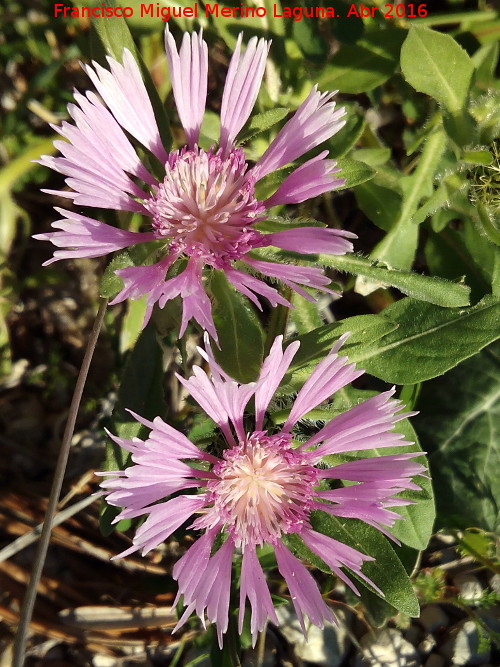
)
(55, 492)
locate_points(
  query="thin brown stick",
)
(55, 492)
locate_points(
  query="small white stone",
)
(427, 644)
(387, 648)
(469, 587)
(462, 646)
(433, 617)
(103, 661)
(327, 646)
(495, 583)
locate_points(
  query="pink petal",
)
(336, 555)
(241, 88)
(311, 179)
(162, 521)
(141, 280)
(330, 375)
(291, 275)
(303, 589)
(254, 587)
(188, 74)
(86, 237)
(393, 468)
(171, 441)
(312, 240)
(314, 121)
(195, 301)
(190, 569)
(210, 591)
(365, 426)
(125, 94)
(203, 391)
(247, 284)
(273, 369)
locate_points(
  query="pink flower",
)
(205, 208)
(263, 486)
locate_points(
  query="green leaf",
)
(458, 422)
(428, 340)
(114, 34)
(132, 323)
(354, 172)
(241, 337)
(435, 64)
(262, 122)
(111, 284)
(316, 344)
(307, 36)
(360, 67)
(386, 571)
(426, 288)
(380, 204)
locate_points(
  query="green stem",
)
(55, 492)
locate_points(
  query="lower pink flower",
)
(263, 487)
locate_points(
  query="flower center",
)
(264, 489)
(206, 205)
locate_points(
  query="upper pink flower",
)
(205, 208)
(263, 486)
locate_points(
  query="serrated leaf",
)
(261, 122)
(435, 64)
(458, 425)
(427, 340)
(241, 337)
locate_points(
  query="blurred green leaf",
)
(132, 323)
(309, 39)
(360, 67)
(348, 136)
(241, 337)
